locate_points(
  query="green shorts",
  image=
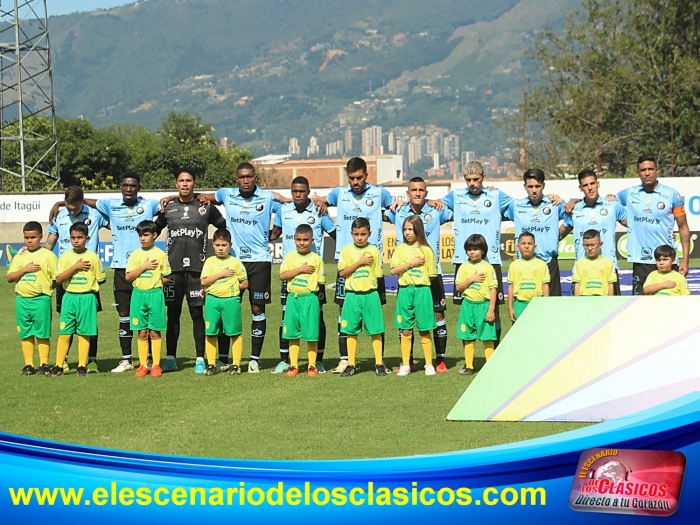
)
(222, 315)
(519, 307)
(147, 310)
(414, 305)
(301, 317)
(78, 314)
(362, 308)
(33, 316)
(472, 323)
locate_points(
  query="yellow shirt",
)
(304, 283)
(527, 278)
(39, 283)
(364, 278)
(594, 275)
(149, 279)
(82, 281)
(477, 292)
(418, 275)
(226, 286)
(657, 277)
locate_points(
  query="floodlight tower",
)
(27, 145)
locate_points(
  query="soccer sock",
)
(28, 351)
(173, 330)
(156, 350)
(62, 349)
(427, 345)
(342, 342)
(211, 349)
(224, 346)
(321, 339)
(405, 349)
(469, 347)
(284, 343)
(142, 347)
(237, 349)
(378, 347)
(410, 347)
(383, 339)
(92, 352)
(312, 350)
(440, 338)
(352, 349)
(294, 349)
(489, 348)
(43, 345)
(125, 336)
(258, 329)
(197, 314)
(83, 349)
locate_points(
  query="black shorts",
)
(259, 282)
(616, 284)
(437, 289)
(184, 284)
(340, 290)
(60, 292)
(122, 290)
(640, 272)
(554, 278)
(500, 299)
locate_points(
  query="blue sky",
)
(62, 7)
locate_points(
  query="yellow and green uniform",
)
(222, 304)
(527, 277)
(657, 277)
(79, 306)
(303, 310)
(33, 293)
(362, 303)
(472, 322)
(594, 275)
(147, 301)
(414, 303)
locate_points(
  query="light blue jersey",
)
(288, 218)
(651, 218)
(123, 220)
(432, 219)
(92, 218)
(477, 214)
(248, 220)
(601, 217)
(542, 221)
(368, 204)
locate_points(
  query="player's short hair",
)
(526, 234)
(473, 167)
(478, 242)
(245, 166)
(146, 227)
(591, 234)
(222, 235)
(79, 227)
(185, 169)
(646, 158)
(356, 164)
(130, 175)
(360, 222)
(33, 226)
(73, 194)
(304, 229)
(534, 174)
(301, 180)
(664, 251)
(587, 173)
(417, 179)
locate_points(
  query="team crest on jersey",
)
(88, 221)
(661, 206)
(369, 202)
(139, 210)
(428, 218)
(202, 210)
(604, 212)
(487, 203)
(547, 210)
(311, 220)
(259, 207)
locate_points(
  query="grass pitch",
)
(261, 416)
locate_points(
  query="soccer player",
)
(33, 272)
(148, 270)
(432, 220)
(224, 278)
(303, 272)
(76, 211)
(358, 199)
(593, 274)
(360, 264)
(540, 215)
(414, 262)
(290, 215)
(665, 280)
(81, 275)
(249, 211)
(186, 247)
(476, 281)
(652, 209)
(528, 277)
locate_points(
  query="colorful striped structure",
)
(589, 359)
